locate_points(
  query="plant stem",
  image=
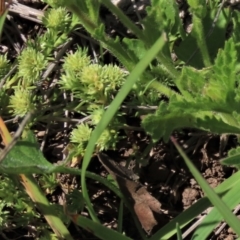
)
(201, 40)
(167, 63)
(36, 194)
(167, 91)
(124, 19)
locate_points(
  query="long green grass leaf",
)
(97, 229)
(2, 20)
(232, 198)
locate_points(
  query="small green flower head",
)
(4, 66)
(48, 182)
(56, 19)
(108, 140)
(69, 82)
(21, 102)
(97, 115)
(74, 63)
(101, 81)
(108, 77)
(48, 41)
(112, 76)
(80, 136)
(31, 64)
(91, 77)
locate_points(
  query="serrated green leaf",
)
(236, 34)
(172, 21)
(136, 46)
(225, 67)
(192, 81)
(217, 125)
(161, 126)
(233, 157)
(182, 114)
(93, 10)
(153, 22)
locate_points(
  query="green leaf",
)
(93, 10)
(225, 67)
(236, 34)
(179, 233)
(161, 125)
(136, 46)
(172, 22)
(215, 41)
(217, 125)
(25, 157)
(97, 229)
(191, 82)
(153, 22)
(233, 157)
(161, 15)
(210, 222)
(2, 21)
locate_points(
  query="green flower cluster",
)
(108, 140)
(91, 82)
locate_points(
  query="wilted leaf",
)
(146, 207)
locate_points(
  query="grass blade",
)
(97, 229)
(223, 209)
(184, 218)
(214, 217)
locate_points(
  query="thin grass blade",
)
(221, 206)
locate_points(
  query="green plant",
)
(48, 183)
(210, 99)
(15, 200)
(4, 66)
(194, 106)
(202, 91)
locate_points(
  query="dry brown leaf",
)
(146, 207)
